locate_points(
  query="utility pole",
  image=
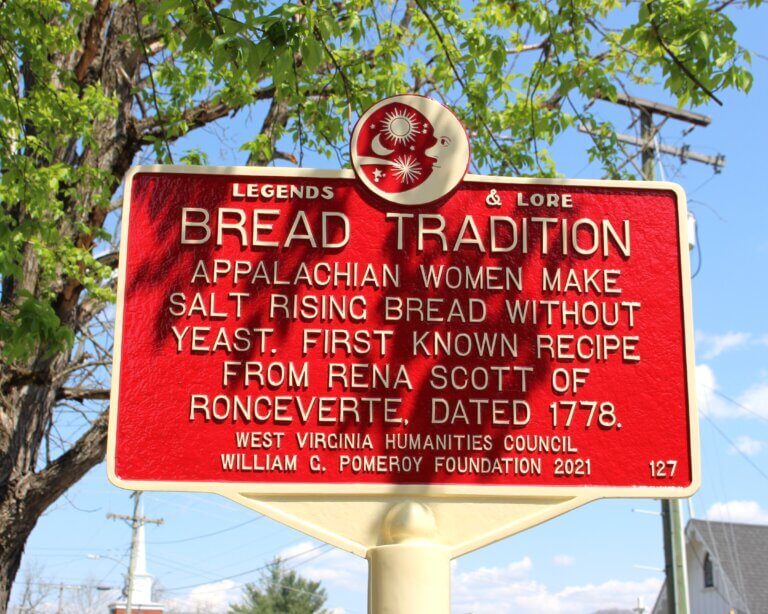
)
(648, 109)
(672, 518)
(671, 515)
(136, 521)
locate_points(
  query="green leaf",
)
(705, 40)
(312, 53)
(282, 70)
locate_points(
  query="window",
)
(709, 572)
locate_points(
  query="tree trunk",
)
(27, 494)
(29, 391)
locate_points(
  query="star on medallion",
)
(377, 175)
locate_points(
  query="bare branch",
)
(284, 155)
(82, 394)
(110, 259)
(529, 47)
(151, 76)
(195, 117)
(49, 484)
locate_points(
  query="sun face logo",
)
(410, 150)
(400, 126)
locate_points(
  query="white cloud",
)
(563, 560)
(486, 590)
(746, 445)
(755, 399)
(492, 575)
(749, 512)
(611, 594)
(712, 346)
(334, 566)
(301, 551)
(710, 403)
(753, 402)
(214, 598)
(507, 590)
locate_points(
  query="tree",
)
(34, 591)
(281, 591)
(90, 85)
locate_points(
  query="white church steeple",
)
(139, 582)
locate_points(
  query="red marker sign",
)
(291, 331)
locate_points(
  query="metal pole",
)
(678, 551)
(674, 542)
(649, 174)
(132, 564)
(674, 556)
(646, 134)
(669, 566)
(410, 573)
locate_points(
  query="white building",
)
(141, 591)
(727, 566)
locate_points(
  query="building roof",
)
(741, 551)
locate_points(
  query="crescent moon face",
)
(448, 157)
(378, 148)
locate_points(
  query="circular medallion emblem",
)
(409, 150)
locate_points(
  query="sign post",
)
(403, 360)
(410, 571)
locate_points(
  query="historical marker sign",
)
(288, 331)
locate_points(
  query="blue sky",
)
(599, 556)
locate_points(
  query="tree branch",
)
(49, 484)
(723, 5)
(82, 394)
(91, 40)
(677, 60)
(459, 79)
(195, 117)
(529, 47)
(151, 75)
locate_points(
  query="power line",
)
(177, 566)
(310, 559)
(250, 571)
(736, 403)
(189, 539)
(744, 456)
(215, 590)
